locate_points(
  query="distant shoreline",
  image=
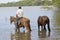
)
(24, 3)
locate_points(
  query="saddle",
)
(19, 21)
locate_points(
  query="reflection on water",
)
(28, 35)
(43, 34)
(57, 17)
(21, 36)
(56, 20)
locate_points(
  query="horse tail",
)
(29, 25)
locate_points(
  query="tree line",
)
(26, 3)
(31, 3)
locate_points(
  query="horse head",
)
(12, 19)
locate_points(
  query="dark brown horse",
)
(42, 21)
(24, 22)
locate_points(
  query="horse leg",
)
(38, 27)
(15, 29)
(45, 27)
(49, 26)
(23, 29)
(41, 27)
(15, 26)
(18, 29)
(27, 26)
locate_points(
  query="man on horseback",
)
(19, 15)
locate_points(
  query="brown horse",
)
(24, 22)
(42, 21)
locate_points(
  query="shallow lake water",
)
(7, 30)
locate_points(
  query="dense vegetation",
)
(32, 3)
(27, 3)
(56, 3)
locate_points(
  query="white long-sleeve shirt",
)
(20, 13)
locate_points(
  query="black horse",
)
(42, 21)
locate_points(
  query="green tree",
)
(56, 3)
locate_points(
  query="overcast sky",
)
(5, 1)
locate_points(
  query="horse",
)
(42, 21)
(24, 22)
